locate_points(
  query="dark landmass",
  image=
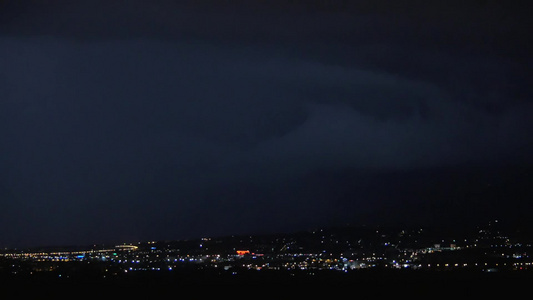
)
(376, 282)
(366, 260)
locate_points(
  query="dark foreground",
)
(202, 282)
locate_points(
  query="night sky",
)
(134, 120)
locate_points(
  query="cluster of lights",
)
(391, 251)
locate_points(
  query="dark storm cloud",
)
(133, 119)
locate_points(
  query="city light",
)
(487, 250)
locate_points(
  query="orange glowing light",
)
(242, 252)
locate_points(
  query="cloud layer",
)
(144, 131)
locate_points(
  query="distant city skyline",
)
(488, 249)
